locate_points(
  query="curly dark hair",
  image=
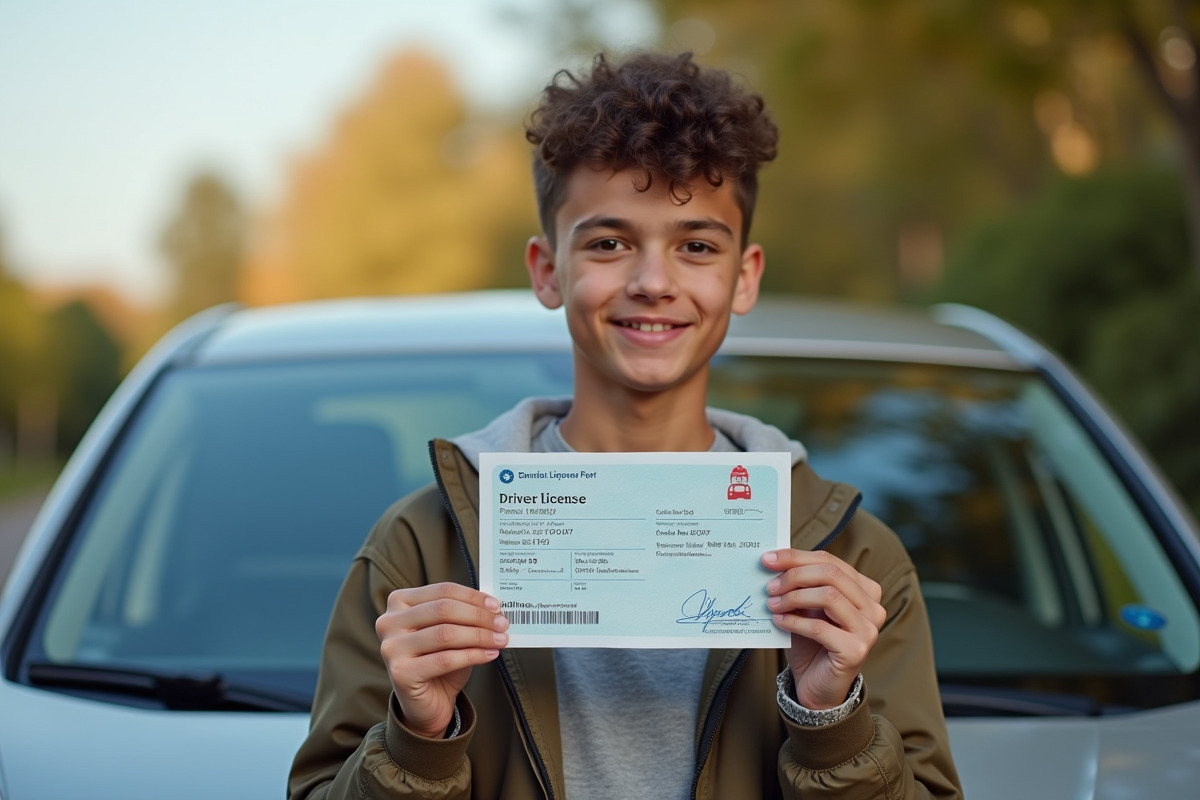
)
(661, 114)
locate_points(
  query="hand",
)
(834, 616)
(430, 638)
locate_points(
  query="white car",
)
(161, 628)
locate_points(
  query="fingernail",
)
(770, 557)
(500, 622)
(773, 585)
(491, 653)
(774, 601)
(492, 604)
(500, 638)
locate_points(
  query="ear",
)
(539, 260)
(745, 290)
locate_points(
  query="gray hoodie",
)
(515, 430)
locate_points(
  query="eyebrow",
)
(591, 223)
(705, 224)
(619, 224)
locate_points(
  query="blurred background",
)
(1038, 159)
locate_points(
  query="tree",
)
(204, 243)
(1163, 39)
(888, 137)
(85, 362)
(22, 337)
(904, 121)
(410, 194)
(1074, 254)
(1097, 268)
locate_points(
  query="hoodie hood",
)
(515, 430)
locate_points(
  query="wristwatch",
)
(455, 725)
(807, 716)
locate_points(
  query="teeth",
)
(650, 327)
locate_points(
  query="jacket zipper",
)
(462, 539)
(509, 686)
(713, 721)
(533, 750)
(717, 712)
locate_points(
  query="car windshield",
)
(220, 530)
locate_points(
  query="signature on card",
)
(700, 608)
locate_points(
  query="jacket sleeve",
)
(356, 746)
(894, 745)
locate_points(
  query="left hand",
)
(833, 614)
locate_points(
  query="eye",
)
(696, 248)
(607, 245)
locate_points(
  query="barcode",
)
(554, 617)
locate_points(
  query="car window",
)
(1037, 568)
(226, 520)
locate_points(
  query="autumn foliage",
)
(409, 194)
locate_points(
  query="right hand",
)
(430, 638)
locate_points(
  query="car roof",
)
(508, 320)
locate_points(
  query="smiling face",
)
(648, 284)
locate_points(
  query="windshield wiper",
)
(179, 691)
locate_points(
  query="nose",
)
(652, 276)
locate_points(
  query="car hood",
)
(1147, 754)
(56, 746)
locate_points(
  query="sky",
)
(107, 107)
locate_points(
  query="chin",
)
(656, 383)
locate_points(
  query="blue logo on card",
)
(506, 476)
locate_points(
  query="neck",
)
(613, 419)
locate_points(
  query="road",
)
(16, 515)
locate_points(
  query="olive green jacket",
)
(893, 746)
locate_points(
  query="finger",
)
(417, 595)
(789, 559)
(437, 604)
(846, 648)
(841, 599)
(442, 611)
(829, 603)
(442, 638)
(416, 657)
(419, 657)
(818, 575)
(846, 652)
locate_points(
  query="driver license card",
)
(633, 549)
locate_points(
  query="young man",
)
(646, 180)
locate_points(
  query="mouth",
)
(648, 327)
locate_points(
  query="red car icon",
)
(739, 484)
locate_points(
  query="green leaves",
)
(1098, 269)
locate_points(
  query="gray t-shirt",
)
(628, 717)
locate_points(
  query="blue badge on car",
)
(506, 476)
(1143, 618)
